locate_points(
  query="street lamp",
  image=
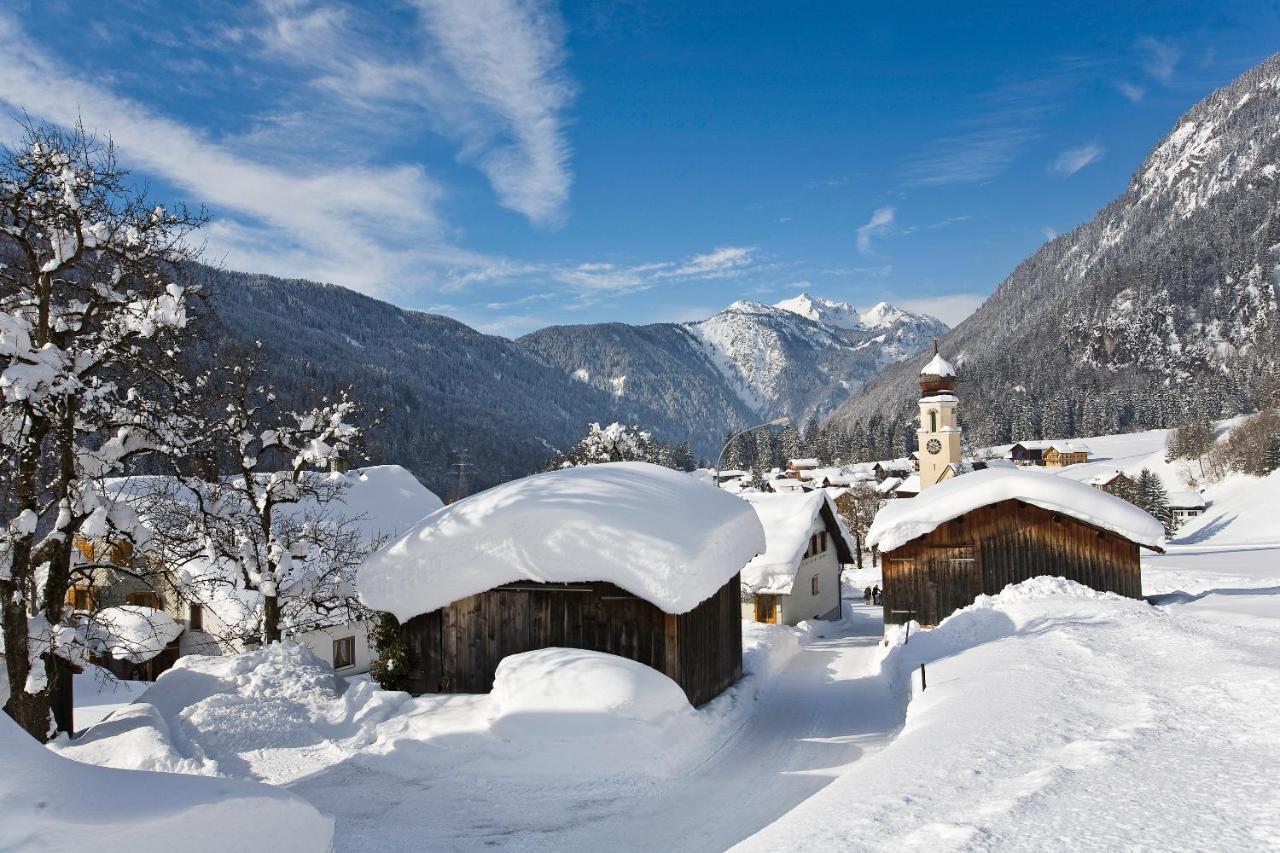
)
(780, 422)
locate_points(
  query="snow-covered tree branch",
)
(93, 316)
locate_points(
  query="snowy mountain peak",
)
(840, 315)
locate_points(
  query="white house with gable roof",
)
(798, 575)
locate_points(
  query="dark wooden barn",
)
(457, 648)
(1005, 541)
(627, 558)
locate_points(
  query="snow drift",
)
(48, 803)
(657, 533)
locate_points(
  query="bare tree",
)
(92, 317)
(858, 507)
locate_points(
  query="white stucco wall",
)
(802, 604)
(320, 641)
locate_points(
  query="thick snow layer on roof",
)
(901, 521)
(1186, 500)
(787, 520)
(1074, 446)
(48, 802)
(134, 633)
(655, 532)
(938, 366)
(387, 498)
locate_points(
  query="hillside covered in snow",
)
(1165, 301)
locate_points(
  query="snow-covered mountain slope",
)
(441, 385)
(1165, 301)
(746, 363)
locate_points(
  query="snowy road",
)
(825, 709)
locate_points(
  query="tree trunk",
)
(270, 620)
(31, 712)
(857, 540)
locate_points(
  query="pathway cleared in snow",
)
(825, 709)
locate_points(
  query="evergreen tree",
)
(764, 450)
(1153, 498)
(790, 442)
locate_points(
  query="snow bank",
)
(787, 520)
(134, 633)
(572, 693)
(901, 521)
(48, 803)
(206, 714)
(1057, 716)
(657, 533)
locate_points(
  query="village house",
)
(1185, 506)
(625, 558)
(979, 533)
(1050, 454)
(798, 575)
(1114, 482)
(899, 468)
(963, 536)
(126, 589)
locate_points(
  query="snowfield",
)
(1055, 718)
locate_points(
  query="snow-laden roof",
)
(888, 485)
(1058, 445)
(134, 633)
(787, 520)
(901, 521)
(805, 462)
(938, 366)
(910, 485)
(1105, 477)
(657, 533)
(1186, 500)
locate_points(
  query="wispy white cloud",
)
(880, 223)
(1158, 58)
(1073, 160)
(971, 157)
(487, 74)
(1048, 232)
(949, 309)
(509, 55)
(354, 224)
(1132, 91)
(1000, 125)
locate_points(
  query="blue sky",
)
(518, 163)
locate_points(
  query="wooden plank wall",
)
(710, 638)
(1010, 543)
(457, 649)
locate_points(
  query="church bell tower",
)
(939, 435)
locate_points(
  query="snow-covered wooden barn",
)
(626, 558)
(978, 533)
(798, 575)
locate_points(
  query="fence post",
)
(924, 685)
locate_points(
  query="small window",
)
(143, 599)
(933, 421)
(344, 652)
(195, 617)
(81, 598)
(813, 585)
(822, 542)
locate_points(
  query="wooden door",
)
(952, 581)
(767, 609)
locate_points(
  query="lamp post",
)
(782, 421)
